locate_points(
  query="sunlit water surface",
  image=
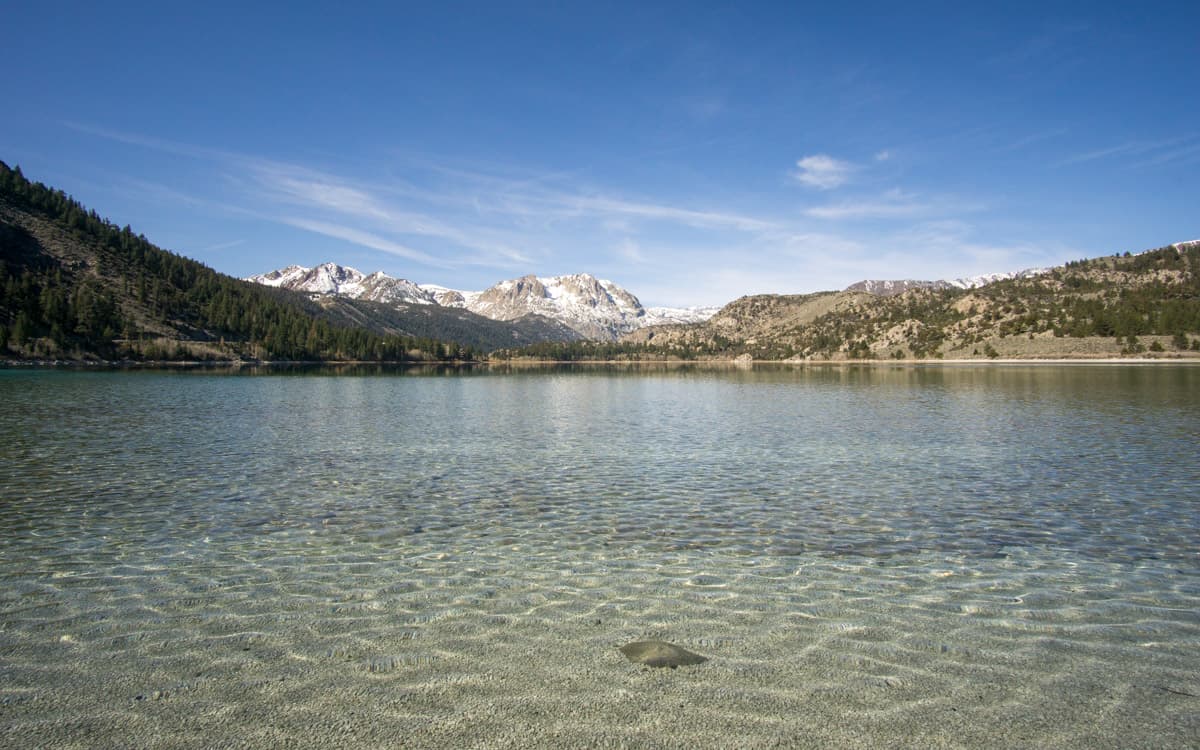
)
(973, 556)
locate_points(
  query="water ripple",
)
(888, 548)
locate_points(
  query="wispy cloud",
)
(950, 248)
(603, 206)
(703, 107)
(1055, 48)
(892, 204)
(484, 221)
(146, 141)
(323, 193)
(550, 197)
(1129, 148)
(270, 186)
(1133, 147)
(223, 246)
(822, 171)
(503, 213)
(359, 237)
(1184, 155)
(346, 201)
(1032, 138)
(473, 216)
(630, 250)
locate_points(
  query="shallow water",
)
(910, 556)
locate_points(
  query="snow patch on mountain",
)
(662, 316)
(891, 288)
(972, 282)
(447, 297)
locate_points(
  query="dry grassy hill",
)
(1145, 304)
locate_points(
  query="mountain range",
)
(593, 308)
(74, 286)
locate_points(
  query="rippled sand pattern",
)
(976, 558)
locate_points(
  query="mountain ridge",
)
(594, 308)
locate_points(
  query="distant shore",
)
(233, 365)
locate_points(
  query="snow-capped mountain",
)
(596, 308)
(330, 278)
(895, 287)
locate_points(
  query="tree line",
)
(129, 296)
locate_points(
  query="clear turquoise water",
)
(871, 543)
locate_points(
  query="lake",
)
(901, 556)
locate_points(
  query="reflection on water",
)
(1039, 521)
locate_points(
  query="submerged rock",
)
(660, 654)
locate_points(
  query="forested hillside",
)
(75, 286)
(444, 323)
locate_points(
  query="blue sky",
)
(691, 152)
